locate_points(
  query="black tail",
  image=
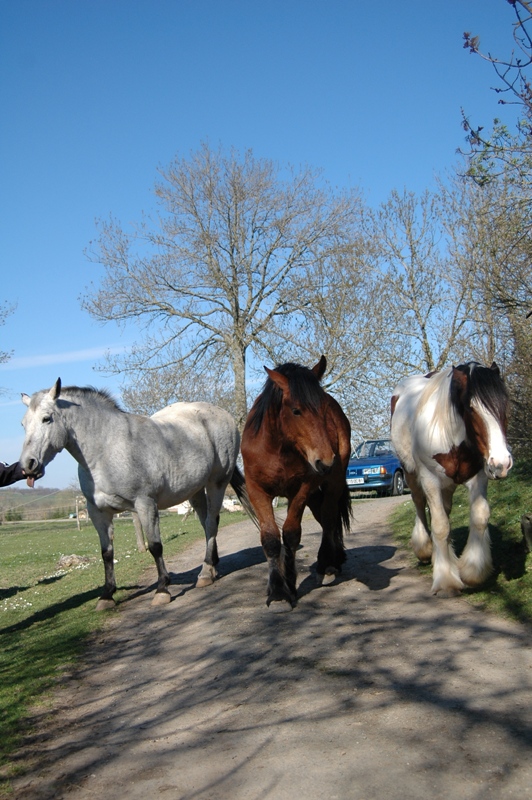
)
(238, 482)
(345, 511)
(343, 525)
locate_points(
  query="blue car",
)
(374, 466)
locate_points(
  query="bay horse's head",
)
(479, 395)
(294, 394)
(45, 434)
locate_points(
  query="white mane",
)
(443, 417)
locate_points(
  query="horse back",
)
(199, 429)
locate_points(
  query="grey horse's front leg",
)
(103, 522)
(148, 513)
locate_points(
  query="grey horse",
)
(186, 451)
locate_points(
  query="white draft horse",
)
(186, 451)
(449, 428)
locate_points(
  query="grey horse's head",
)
(45, 432)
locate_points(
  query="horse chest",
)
(461, 463)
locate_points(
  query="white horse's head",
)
(45, 432)
(480, 395)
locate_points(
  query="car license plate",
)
(355, 481)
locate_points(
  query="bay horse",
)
(186, 451)
(296, 444)
(449, 428)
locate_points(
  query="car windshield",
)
(373, 447)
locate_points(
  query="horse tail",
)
(345, 511)
(238, 483)
(344, 519)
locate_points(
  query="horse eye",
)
(46, 419)
(296, 412)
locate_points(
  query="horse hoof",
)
(204, 580)
(327, 579)
(161, 599)
(280, 606)
(447, 593)
(104, 604)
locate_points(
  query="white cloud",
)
(89, 354)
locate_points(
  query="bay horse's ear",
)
(25, 398)
(495, 368)
(55, 391)
(319, 368)
(280, 380)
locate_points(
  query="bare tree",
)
(346, 318)
(222, 260)
(429, 294)
(155, 389)
(499, 150)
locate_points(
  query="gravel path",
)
(370, 689)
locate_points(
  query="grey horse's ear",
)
(25, 399)
(55, 391)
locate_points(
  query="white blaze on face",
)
(499, 460)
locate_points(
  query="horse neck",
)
(89, 424)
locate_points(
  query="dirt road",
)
(368, 689)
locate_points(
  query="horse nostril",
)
(496, 471)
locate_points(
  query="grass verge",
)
(47, 612)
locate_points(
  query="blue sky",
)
(95, 95)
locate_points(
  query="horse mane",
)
(438, 387)
(305, 390)
(89, 392)
(486, 387)
(483, 385)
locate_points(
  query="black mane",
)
(486, 385)
(305, 390)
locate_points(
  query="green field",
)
(47, 612)
(509, 591)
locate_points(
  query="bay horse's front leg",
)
(280, 595)
(103, 522)
(148, 513)
(292, 536)
(325, 504)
